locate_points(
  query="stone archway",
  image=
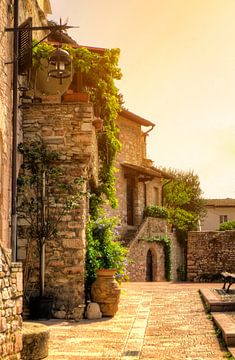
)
(149, 266)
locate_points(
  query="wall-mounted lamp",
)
(61, 61)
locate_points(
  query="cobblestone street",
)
(164, 321)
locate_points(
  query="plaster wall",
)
(212, 218)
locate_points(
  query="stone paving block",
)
(171, 326)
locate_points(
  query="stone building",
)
(217, 212)
(139, 184)
(10, 272)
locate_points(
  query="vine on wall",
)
(98, 73)
(166, 241)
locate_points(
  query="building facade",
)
(11, 272)
(217, 212)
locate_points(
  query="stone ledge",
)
(35, 341)
(227, 326)
(215, 303)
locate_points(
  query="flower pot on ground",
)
(106, 291)
(104, 252)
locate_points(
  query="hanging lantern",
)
(61, 62)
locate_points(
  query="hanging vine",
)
(98, 73)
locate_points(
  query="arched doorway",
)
(149, 266)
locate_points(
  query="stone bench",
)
(35, 341)
(228, 278)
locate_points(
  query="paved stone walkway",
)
(163, 321)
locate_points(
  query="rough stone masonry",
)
(68, 129)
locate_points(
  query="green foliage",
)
(183, 220)
(167, 249)
(229, 356)
(183, 198)
(104, 251)
(98, 73)
(41, 51)
(155, 211)
(227, 225)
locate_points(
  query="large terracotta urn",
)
(105, 290)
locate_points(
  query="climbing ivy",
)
(166, 241)
(99, 71)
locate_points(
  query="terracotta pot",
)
(106, 291)
(76, 97)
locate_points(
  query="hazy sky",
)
(178, 64)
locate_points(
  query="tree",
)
(183, 198)
(45, 195)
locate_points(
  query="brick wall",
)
(68, 129)
(210, 253)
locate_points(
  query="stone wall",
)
(10, 273)
(68, 129)
(139, 248)
(5, 120)
(10, 307)
(210, 253)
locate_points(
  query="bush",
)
(156, 211)
(227, 225)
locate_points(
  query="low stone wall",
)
(210, 253)
(10, 307)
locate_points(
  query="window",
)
(223, 218)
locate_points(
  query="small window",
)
(223, 218)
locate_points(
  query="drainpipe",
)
(148, 131)
(14, 133)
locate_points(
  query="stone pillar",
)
(68, 129)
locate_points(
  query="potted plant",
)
(44, 197)
(106, 261)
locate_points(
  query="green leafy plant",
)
(156, 212)
(166, 241)
(183, 220)
(227, 225)
(183, 198)
(45, 195)
(104, 250)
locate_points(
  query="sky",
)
(178, 64)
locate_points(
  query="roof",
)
(137, 119)
(220, 202)
(143, 170)
(57, 37)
